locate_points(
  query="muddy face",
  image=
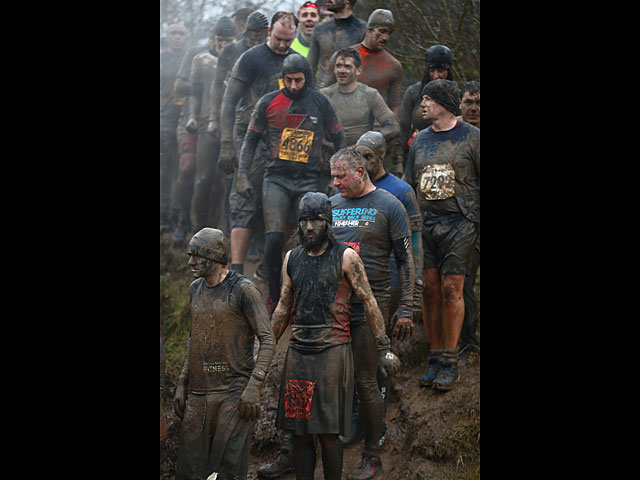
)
(470, 108)
(349, 183)
(378, 37)
(374, 163)
(200, 266)
(313, 233)
(345, 71)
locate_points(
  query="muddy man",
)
(218, 392)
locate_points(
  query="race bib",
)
(295, 145)
(437, 182)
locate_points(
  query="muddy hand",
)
(227, 158)
(403, 328)
(179, 399)
(249, 404)
(243, 185)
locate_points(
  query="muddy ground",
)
(431, 435)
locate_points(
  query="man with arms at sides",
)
(320, 277)
(443, 166)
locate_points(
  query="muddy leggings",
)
(304, 456)
(365, 362)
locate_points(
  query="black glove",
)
(387, 361)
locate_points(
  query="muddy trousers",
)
(304, 456)
(213, 438)
(273, 249)
(470, 323)
(365, 362)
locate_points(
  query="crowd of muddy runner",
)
(291, 141)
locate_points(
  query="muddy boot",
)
(383, 435)
(370, 467)
(433, 366)
(282, 463)
(448, 374)
(261, 272)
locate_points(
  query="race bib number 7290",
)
(437, 181)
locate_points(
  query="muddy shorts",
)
(280, 199)
(213, 437)
(246, 212)
(316, 393)
(447, 241)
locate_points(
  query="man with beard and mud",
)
(375, 224)
(372, 146)
(169, 115)
(437, 64)
(443, 167)
(256, 72)
(320, 277)
(330, 36)
(308, 18)
(291, 122)
(218, 392)
(195, 172)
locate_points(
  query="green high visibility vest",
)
(300, 48)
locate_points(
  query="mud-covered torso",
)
(203, 72)
(444, 169)
(330, 37)
(322, 299)
(369, 225)
(380, 70)
(293, 130)
(355, 120)
(260, 70)
(221, 350)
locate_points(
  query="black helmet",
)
(209, 243)
(224, 27)
(380, 18)
(438, 56)
(256, 21)
(315, 205)
(295, 63)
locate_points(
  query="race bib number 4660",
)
(438, 181)
(295, 145)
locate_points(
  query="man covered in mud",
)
(443, 166)
(380, 70)
(438, 61)
(308, 18)
(357, 105)
(257, 72)
(372, 146)
(375, 224)
(320, 277)
(169, 115)
(291, 122)
(195, 175)
(218, 392)
(330, 36)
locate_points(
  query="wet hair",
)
(353, 157)
(472, 86)
(282, 16)
(350, 52)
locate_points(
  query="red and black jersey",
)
(292, 130)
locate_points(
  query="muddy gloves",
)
(387, 361)
(180, 397)
(227, 158)
(249, 404)
(243, 185)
